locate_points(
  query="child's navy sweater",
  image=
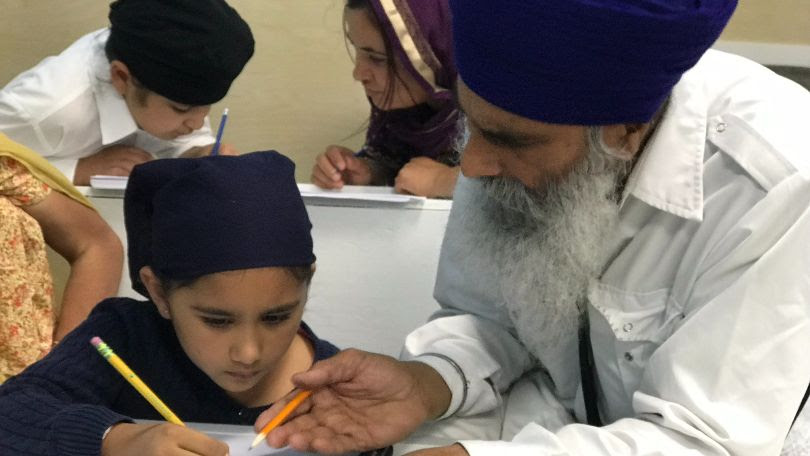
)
(64, 403)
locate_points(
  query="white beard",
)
(547, 244)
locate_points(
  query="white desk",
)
(376, 267)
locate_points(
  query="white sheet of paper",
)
(310, 192)
(104, 182)
(239, 444)
(357, 193)
(239, 439)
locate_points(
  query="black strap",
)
(586, 371)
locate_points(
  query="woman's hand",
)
(360, 401)
(129, 439)
(426, 177)
(338, 166)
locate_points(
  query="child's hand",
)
(128, 439)
(426, 177)
(338, 166)
(116, 160)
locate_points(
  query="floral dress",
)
(26, 291)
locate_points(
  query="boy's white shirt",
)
(65, 108)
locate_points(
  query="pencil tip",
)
(257, 440)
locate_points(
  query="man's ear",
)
(156, 292)
(624, 141)
(120, 76)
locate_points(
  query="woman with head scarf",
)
(39, 208)
(402, 51)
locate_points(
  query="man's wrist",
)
(434, 392)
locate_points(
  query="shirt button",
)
(721, 127)
(241, 412)
(627, 327)
(628, 356)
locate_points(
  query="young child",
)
(39, 207)
(221, 246)
(403, 57)
(141, 89)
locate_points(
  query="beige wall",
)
(297, 94)
(770, 21)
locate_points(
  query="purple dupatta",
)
(420, 33)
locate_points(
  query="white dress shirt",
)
(701, 321)
(65, 108)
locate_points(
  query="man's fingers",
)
(299, 425)
(278, 406)
(336, 369)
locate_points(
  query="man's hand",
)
(452, 450)
(128, 439)
(426, 177)
(360, 401)
(115, 160)
(338, 166)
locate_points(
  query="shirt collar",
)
(114, 117)
(669, 172)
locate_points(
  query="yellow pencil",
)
(134, 380)
(282, 415)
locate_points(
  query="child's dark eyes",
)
(274, 319)
(217, 322)
(268, 319)
(181, 109)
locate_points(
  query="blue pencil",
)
(215, 149)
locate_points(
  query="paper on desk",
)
(357, 193)
(308, 191)
(104, 182)
(239, 439)
(239, 444)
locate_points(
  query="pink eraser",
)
(96, 341)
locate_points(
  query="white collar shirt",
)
(701, 319)
(65, 108)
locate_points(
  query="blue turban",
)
(188, 217)
(582, 62)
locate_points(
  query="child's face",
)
(155, 114)
(163, 118)
(371, 66)
(237, 327)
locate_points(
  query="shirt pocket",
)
(626, 329)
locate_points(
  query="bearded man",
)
(625, 268)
